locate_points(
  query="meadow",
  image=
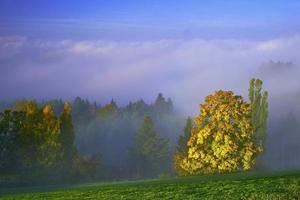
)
(250, 185)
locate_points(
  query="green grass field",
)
(251, 185)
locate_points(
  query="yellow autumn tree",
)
(222, 136)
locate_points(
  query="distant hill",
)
(271, 67)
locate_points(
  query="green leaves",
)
(259, 104)
(182, 148)
(149, 150)
(36, 139)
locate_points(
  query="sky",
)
(129, 50)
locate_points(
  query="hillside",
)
(251, 185)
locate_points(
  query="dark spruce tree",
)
(149, 150)
(182, 148)
(163, 106)
(11, 123)
(67, 138)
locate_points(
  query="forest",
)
(63, 142)
(146, 99)
(57, 141)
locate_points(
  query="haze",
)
(133, 50)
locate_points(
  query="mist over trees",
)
(109, 131)
(259, 116)
(149, 151)
(31, 150)
(281, 149)
(56, 141)
(182, 147)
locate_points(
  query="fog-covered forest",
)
(283, 123)
(58, 141)
(144, 99)
(104, 139)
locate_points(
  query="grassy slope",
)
(271, 185)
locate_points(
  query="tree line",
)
(36, 144)
(57, 141)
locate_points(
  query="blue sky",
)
(145, 19)
(129, 50)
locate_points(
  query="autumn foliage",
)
(222, 136)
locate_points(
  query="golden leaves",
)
(221, 141)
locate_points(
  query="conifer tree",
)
(11, 123)
(163, 106)
(67, 137)
(182, 148)
(149, 150)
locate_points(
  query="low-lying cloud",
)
(185, 70)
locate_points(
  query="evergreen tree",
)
(182, 148)
(67, 137)
(11, 123)
(160, 100)
(150, 151)
(162, 106)
(82, 112)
